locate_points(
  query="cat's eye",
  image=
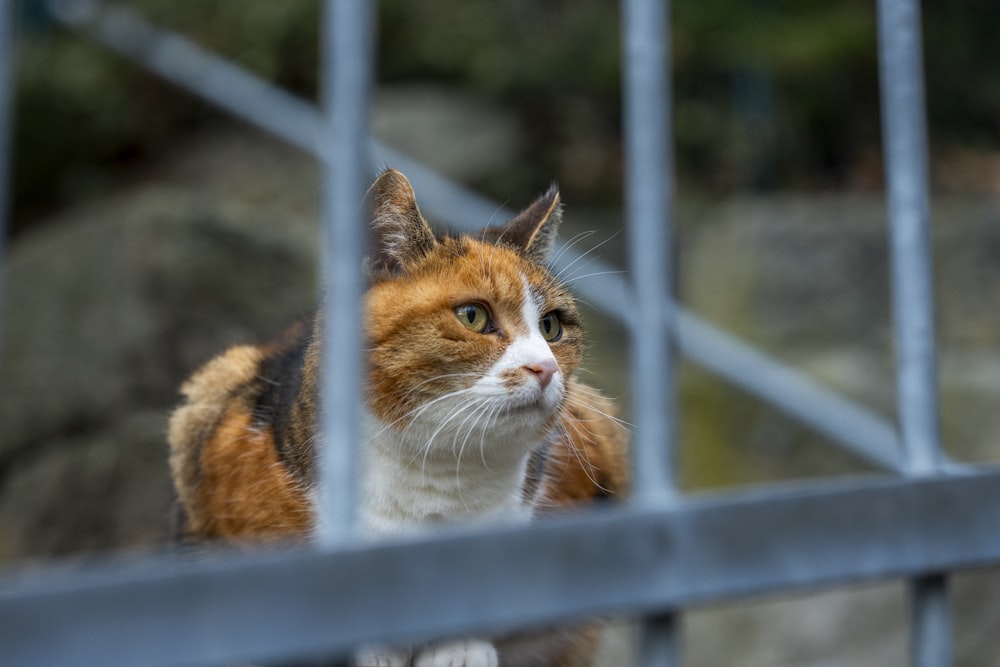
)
(550, 327)
(473, 317)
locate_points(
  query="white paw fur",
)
(460, 653)
(381, 657)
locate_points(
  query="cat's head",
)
(471, 338)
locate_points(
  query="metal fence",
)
(653, 558)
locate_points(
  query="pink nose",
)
(543, 370)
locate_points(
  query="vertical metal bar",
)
(659, 641)
(905, 131)
(649, 193)
(649, 196)
(346, 82)
(930, 608)
(7, 14)
(905, 146)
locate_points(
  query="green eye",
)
(550, 327)
(473, 317)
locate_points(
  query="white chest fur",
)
(407, 489)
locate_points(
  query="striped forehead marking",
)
(530, 309)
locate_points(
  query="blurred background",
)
(149, 231)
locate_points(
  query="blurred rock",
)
(807, 279)
(106, 311)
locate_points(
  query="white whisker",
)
(584, 255)
(570, 244)
(572, 280)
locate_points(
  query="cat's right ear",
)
(400, 234)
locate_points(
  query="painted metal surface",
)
(649, 184)
(258, 607)
(346, 89)
(649, 200)
(904, 132)
(6, 124)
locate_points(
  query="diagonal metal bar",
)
(197, 70)
(297, 121)
(262, 607)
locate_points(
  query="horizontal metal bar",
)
(285, 605)
(299, 122)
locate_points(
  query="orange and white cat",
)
(472, 410)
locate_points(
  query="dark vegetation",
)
(770, 94)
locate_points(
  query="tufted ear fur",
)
(533, 230)
(400, 233)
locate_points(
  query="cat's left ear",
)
(400, 233)
(534, 229)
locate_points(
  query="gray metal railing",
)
(661, 554)
(904, 134)
(649, 203)
(345, 88)
(6, 111)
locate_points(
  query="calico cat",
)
(472, 409)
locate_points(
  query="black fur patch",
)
(280, 387)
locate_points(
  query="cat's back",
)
(227, 467)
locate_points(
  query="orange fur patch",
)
(245, 491)
(419, 349)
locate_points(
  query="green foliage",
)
(520, 48)
(276, 40)
(554, 63)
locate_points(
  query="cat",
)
(472, 409)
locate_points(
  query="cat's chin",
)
(536, 408)
(537, 400)
(527, 407)
(527, 419)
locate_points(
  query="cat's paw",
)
(379, 656)
(460, 653)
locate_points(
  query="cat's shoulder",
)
(589, 458)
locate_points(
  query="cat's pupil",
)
(470, 314)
